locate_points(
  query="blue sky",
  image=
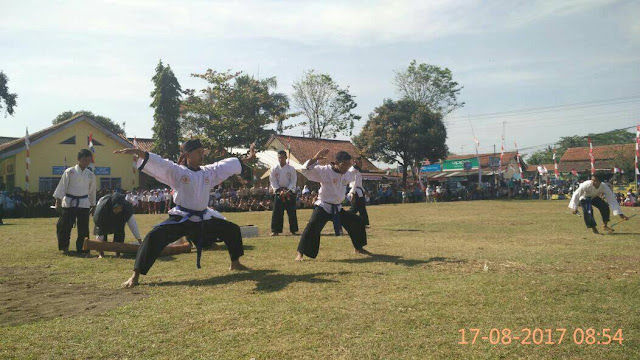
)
(508, 55)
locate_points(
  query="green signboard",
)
(458, 164)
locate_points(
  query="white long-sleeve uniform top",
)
(77, 182)
(190, 188)
(283, 177)
(333, 185)
(587, 190)
(133, 226)
(356, 184)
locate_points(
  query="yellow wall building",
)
(50, 147)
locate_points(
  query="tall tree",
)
(8, 98)
(166, 116)
(327, 107)
(429, 85)
(405, 132)
(101, 120)
(233, 110)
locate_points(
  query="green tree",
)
(166, 116)
(326, 106)
(405, 132)
(430, 86)
(101, 120)
(233, 110)
(8, 98)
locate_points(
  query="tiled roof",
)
(5, 139)
(143, 144)
(605, 152)
(304, 149)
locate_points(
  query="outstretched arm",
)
(309, 167)
(163, 170)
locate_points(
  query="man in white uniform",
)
(588, 195)
(191, 183)
(283, 179)
(333, 179)
(75, 200)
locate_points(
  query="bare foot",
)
(132, 282)
(275, 234)
(235, 265)
(298, 256)
(595, 230)
(362, 251)
(610, 230)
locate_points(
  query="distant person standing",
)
(75, 200)
(283, 179)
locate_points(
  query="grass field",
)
(543, 270)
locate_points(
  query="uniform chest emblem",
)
(335, 181)
(206, 180)
(185, 179)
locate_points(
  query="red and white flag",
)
(518, 158)
(637, 149)
(574, 172)
(135, 161)
(593, 161)
(92, 166)
(27, 160)
(555, 164)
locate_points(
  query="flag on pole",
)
(593, 162)
(555, 164)
(479, 165)
(28, 159)
(135, 161)
(637, 150)
(574, 172)
(92, 165)
(65, 163)
(518, 157)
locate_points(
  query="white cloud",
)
(338, 22)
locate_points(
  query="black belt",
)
(76, 199)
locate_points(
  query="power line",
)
(573, 106)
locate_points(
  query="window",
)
(10, 169)
(95, 142)
(10, 182)
(48, 183)
(70, 141)
(110, 183)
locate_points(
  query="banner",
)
(459, 164)
(431, 168)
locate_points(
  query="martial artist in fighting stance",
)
(191, 183)
(589, 195)
(112, 213)
(333, 179)
(283, 179)
(75, 200)
(357, 193)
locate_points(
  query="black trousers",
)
(359, 205)
(310, 240)
(161, 236)
(587, 211)
(118, 234)
(277, 217)
(65, 224)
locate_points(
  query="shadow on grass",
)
(266, 280)
(399, 260)
(623, 233)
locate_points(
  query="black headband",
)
(191, 145)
